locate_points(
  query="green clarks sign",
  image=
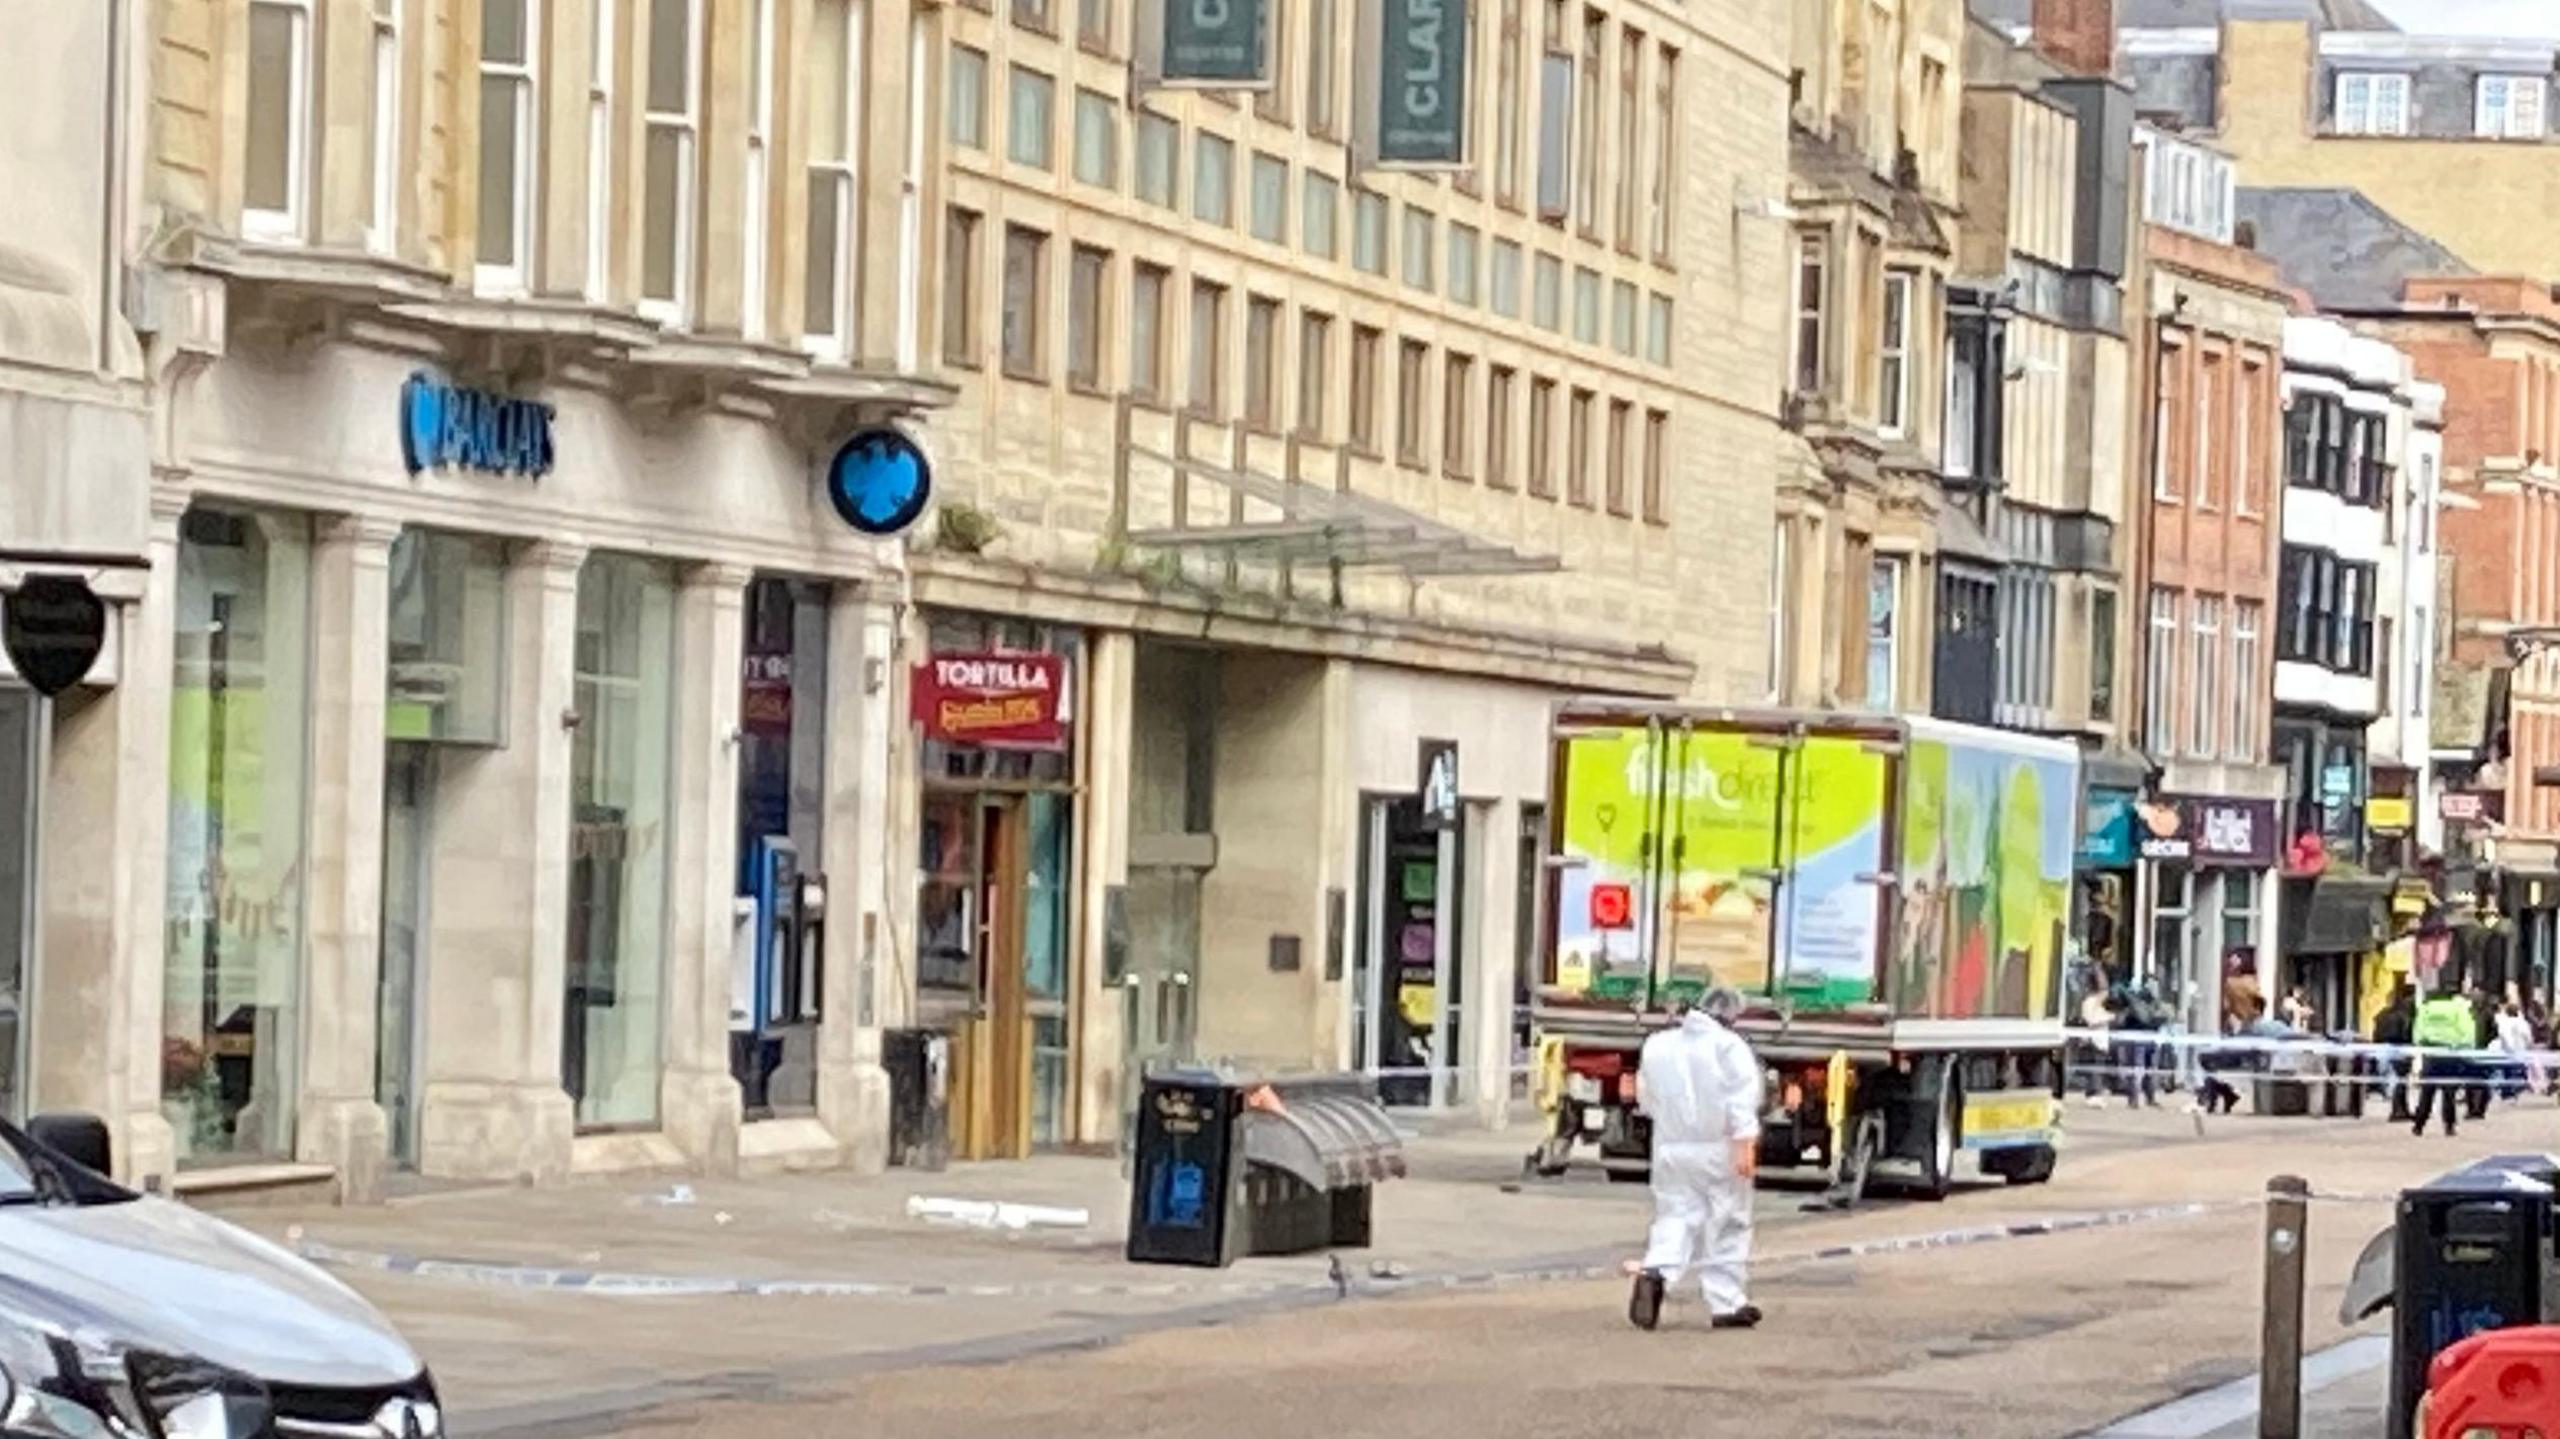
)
(1215, 43)
(1422, 82)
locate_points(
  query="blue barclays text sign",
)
(444, 426)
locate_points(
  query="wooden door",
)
(993, 1109)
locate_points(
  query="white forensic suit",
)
(1702, 1089)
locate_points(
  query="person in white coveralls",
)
(1702, 1089)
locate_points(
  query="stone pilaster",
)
(494, 1106)
(700, 1105)
(1103, 715)
(860, 854)
(340, 1122)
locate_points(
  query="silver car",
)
(126, 1316)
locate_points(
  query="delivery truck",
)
(1892, 897)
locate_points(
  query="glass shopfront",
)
(782, 799)
(21, 718)
(238, 730)
(618, 882)
(994, 904)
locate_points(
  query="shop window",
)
(18, 741)
(239, 714)
(447, 672)
(619, 794)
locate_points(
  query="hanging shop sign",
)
(1214, 44)
(1414, 85)
(880, 480)
(2471, 806)
(444, 426)
(2389, 814)
(1008, 701)
(52, 627)
(1437, 787)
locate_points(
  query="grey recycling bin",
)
(1227, 1165)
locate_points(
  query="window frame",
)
(1893, 354)
(2204, 690)
(1042, 82)
(382, 121)
(1205, 383)
(686, 125)
(2499, 119)
(963, 243)
(1095, 103)
(1033, 367)
(288, 225)
(1657, 467)
(601, 230)
(2248, 626)
(1541, 442)
(1147, 381)
(1811, 305)
(844, 175)
(524, 76)
(1501, 390)
(1360, 421)
(1457, 415)
(1413, 398)
(1085, 370)
(2367, 118)
(1315, 371)
(1262, 318)
(1579, 404)
(2160, 667)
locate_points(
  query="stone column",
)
(97, 1024)
(860, 858)
(340, 1122)
(1338, 805)
(494, 1106)
(1492, 867)
(700, 1105)
(1102, 1046)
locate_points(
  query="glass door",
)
(408, 777)
(20, 725)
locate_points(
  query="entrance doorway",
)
(995, 922)
(1408, 998)
(399, 1006)
(21, 721)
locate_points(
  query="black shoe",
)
(1644, 1306)
(1746, 1317)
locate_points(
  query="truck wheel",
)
(2031, 1165)
(1938, 1165)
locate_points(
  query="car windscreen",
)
(30, 1173)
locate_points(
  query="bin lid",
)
(1329, 1139)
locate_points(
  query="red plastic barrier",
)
(2502, 1384)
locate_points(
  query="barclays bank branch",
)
(522, 728)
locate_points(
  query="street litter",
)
(994, 1214)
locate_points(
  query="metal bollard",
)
(2280, 1351)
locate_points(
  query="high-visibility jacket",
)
(2448, 1022)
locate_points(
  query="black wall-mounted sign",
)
(1437, 788)
(53, 627)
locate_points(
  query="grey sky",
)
(2474, 17)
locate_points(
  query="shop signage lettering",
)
(765, 707)
(2390, 813)
(2231, 832)
(2462, 806)
(1214, 42)
(1010, 701)
(1422, 90)
(450, 427)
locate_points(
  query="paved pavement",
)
(814, 1304)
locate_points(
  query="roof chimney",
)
(2078, 35)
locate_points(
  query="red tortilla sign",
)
(1015, 701)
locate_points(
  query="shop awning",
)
(2343, 914)
(1277, 520)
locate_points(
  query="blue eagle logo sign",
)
(450, 427)
(880, 480)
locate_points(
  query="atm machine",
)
(774, 980)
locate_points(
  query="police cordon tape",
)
(2303, 1045)
(1342, 1282)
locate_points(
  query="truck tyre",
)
(1938, 1162)
(2030, 1165)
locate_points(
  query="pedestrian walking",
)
(1701, 1088)
(2484, 1037)
(2096, 1018)
(2138, 1013)
(2396, 1026)
(2446, 1029)
(2515, 1044)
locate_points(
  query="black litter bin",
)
(919, 1065)
(1229, 1165)
(2473, 1250)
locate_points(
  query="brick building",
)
(2211, 346)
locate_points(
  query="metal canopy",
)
(1325, 526)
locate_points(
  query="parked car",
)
(128, 1316)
